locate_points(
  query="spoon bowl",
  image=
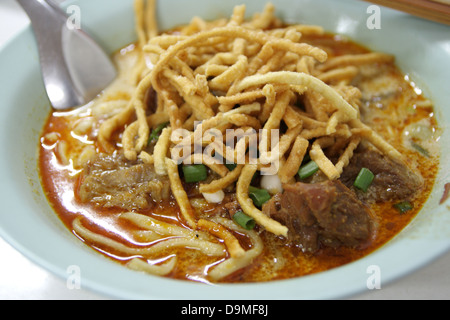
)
(75, 69)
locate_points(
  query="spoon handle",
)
(48, 22)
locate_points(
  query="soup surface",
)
(355, 161)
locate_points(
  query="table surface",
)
(22, 279)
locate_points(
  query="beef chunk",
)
(113, 181)
(325, 213)
(393, 181)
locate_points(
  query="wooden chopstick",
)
(435, 10)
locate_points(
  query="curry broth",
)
(278, 261)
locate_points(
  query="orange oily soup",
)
(139, 207)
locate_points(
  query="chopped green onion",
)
(259, 196)
(244, 220)
(404, 206)
(194, 173)
(420, 149)
(156, 132)
(306, 159)
(231, 166)
(308, 170)
(364, 179)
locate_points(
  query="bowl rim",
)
(228, 290)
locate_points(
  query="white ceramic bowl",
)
(28, 223)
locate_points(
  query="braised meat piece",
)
(113, 181)
(325, 213)
(393, 181)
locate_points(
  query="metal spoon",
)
(75, 69)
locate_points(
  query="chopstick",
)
(435, 10)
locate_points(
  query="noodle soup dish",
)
(245, 149)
